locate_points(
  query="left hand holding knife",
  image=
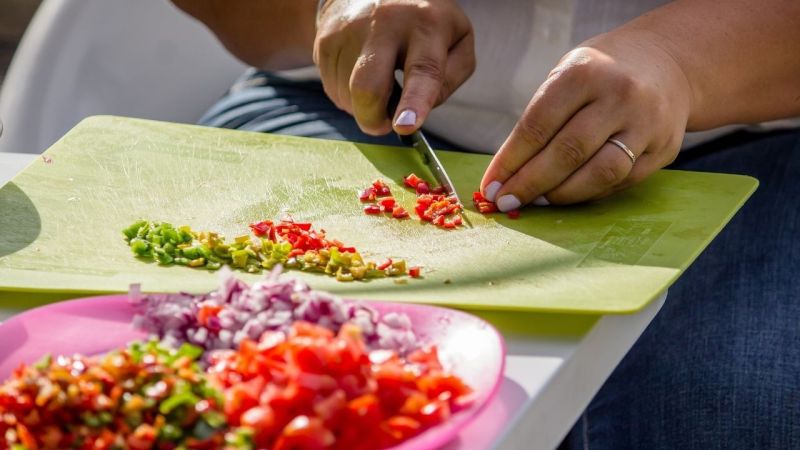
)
(360, 44)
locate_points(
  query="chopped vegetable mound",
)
(145, 396)
(432, 205)
(314, 388)
(295, 245)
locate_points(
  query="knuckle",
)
(631, 88)
(504, 165)
(607, 174)
(428, 67)
(532, 132)
(427, 15)
(325, 44)
(528, 192)
(569, 152)
(672, 150)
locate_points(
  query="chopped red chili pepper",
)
(387, 203)
(483, 206)
(367, 195)
(513, 214)
(399, 212)
(412, 181)
(381, 188)
(414, 271)
(301, 235)
(384, 265)
(372, 209)
(429, 206)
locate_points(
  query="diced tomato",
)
(437, 382)
(260, 419)
(398, 212)
(427, 356)
(401, 428)
(364, 412)
(434, 413)
(307, 433)
(240, 397)
(385, 265)
(438, 221)
(372, 209)
(414, 271)
(422, 188)
(26, 438)
(513, 214)
(206, 312)
(331, 393)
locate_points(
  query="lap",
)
(264, 102)
(719, 365)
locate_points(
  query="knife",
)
(420, 143)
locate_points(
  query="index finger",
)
(423, 78)
(553, 104)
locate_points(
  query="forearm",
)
(268, 34)
(740, 57)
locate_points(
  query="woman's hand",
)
(621, 85)
(360, 43)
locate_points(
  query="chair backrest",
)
(139, 58)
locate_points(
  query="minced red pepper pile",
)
(432, 205)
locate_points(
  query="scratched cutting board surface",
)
(61, 220)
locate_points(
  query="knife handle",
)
(391, 109)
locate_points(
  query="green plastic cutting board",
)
(61, 220)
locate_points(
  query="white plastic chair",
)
(139, 58)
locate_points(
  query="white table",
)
(552, 372)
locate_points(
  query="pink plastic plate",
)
(468, 346)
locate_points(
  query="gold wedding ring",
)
(625, 149)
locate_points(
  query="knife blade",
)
(423, 147)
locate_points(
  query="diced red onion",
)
(271, 304)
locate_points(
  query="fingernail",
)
(406, 118)
(507, 203)
(540, 201)
(491, 190)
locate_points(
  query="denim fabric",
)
(719, 367)
(265, 102)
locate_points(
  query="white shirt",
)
(517, 43)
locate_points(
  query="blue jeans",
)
(719, 366)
